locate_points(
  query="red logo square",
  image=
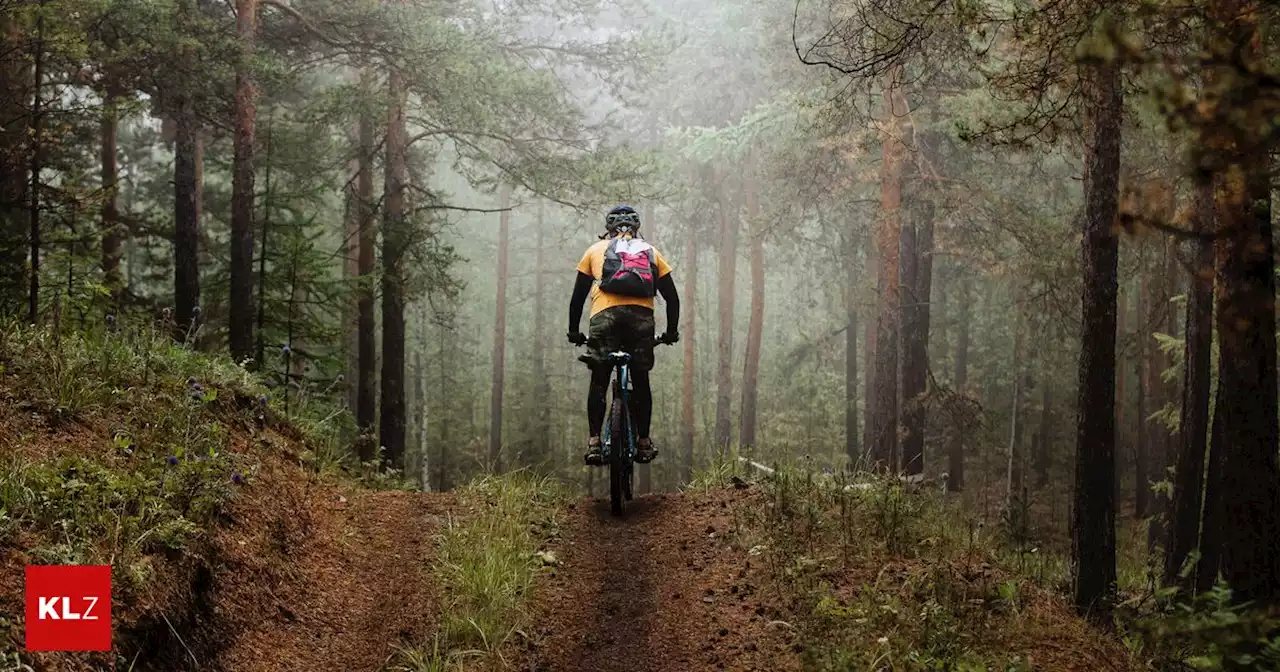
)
(68, 607)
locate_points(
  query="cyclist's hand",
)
(671, 337)
(577, 337)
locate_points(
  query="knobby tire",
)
(619, 481)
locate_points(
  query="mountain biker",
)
(622, 272)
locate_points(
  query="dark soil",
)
(355, 586)
(659, 589)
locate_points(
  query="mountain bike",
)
(620, 426)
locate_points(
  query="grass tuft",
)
(486, 563)
(716, 474)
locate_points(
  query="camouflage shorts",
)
(621, 328)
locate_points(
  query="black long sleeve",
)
(581, 287)
(667, 288)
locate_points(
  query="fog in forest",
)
(1018, 254)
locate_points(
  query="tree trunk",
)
(1141, 485)
(990, 381)
(445, 421)
(884, 446)
(1162, 442)
(726, 269)
(187, 191)
(1242, 501)
(395, 238)
(1122, 328)
(37, 167)
(350, 274)
(112, 228)
(262, 257)
(917, 250)
(688, 305)
(1193, 432)
(367, 357)
(851, 445)
(240, 319)
(541, 383)
(871, 323)
(500, 330)
(955, 449)
(15, 82)
(1012, 475)
(1044, 453)
(939, 327)
(1093, 513)
(422, 441)
(755, 325)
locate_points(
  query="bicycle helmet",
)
(622, 216)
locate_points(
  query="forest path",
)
(658, 589)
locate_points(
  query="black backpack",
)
(630, 271)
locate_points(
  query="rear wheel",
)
(619, 465)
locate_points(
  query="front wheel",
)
(619, 464)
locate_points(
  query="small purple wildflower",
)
(262, 401)
(237, 479)
(286, 350)
(172, 460)
(191, 380)
(197, 387)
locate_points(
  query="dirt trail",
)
(656, 590)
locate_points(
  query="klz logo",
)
(68, 608)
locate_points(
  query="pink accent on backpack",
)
(637, 263)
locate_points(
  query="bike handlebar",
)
(659, 340)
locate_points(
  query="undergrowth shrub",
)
(879, 574)
(1203, 632)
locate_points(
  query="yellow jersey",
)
(592, 264)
